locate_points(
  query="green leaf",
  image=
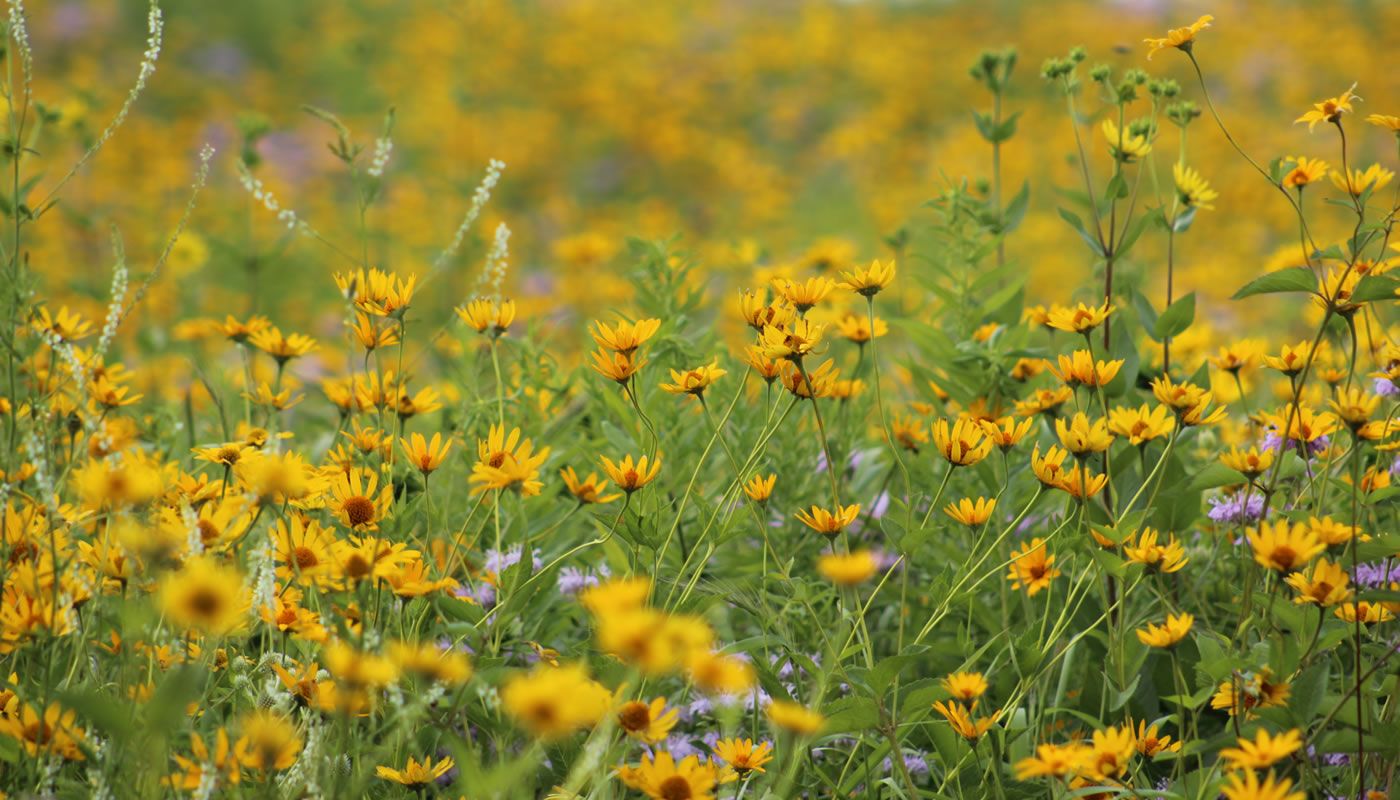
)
(1078, 225)
(851, 714)
(1305, 697)
(1016, 209)
(100, 709)
(1292, 279)
(1216, 474)
(1177, 318)
(1133, 231)
(1375, 287)
(1147, 315)
(1183, 221)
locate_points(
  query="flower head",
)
(869, 281)
(1168, 634)
(847, 569)
(1329, 110)
(1180, 38)
(630, 477)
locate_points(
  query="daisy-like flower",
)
(414, 775)
(1049, 468)
(551, 702)
(827, 523)
(1283, 547)
(64, 326)
(630, 477)
(1044, 401)
(1251, 463)
(965, 687)
(1122, 145)
(282, 348)
(1247, 691)
(856, 327)
(1329, 110)
(1143, 424)
(795, 717)
(269, 742)
(1357, 182)
(647, 722)
(239, 332)
(792, 341)
(694, 381)
(370, 335)
(1005, 432)
(970, 512)
(354, 501)
(425, 456)
(1080, 369)
(625, 337)
(227, 454)
(962, 722)
(1180, 38)
(486, 316)
(804, 295)
(1263, 751)
(1081, 437)
(742, 756)
(1366, 611)
(963, 443)
(264, 396)
(588, 490)
(1167, 634)
(1193, 190)
(1247, 786)
(767, 368)
(819, 382)
(1384, 121)
(1033, 567)
(205, 595)
(869, 281)
(1080, 319)
(1053, 760)
(720, 674)
(759, 313)
(848, 569)
(1305, 171)
(1168, 557)
(1111, 753)
(664, 779)
(54, 732)
(759, 488)
(616, 365)
(219, 762)
(1149, 743)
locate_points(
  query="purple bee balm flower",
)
(498, 562)
(1232, 510)
(481, 591)
(916, 761)
(1384, 386)
(1272, 440)
(1376, 576)
(573, 579)
(680, 746)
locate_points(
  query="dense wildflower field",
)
(699, 400)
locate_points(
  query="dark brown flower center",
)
(306, 557)
(675, 788)
(635, 717)
(205, 603)
(207, 531)
(358, 510)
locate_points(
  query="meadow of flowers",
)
(699, 400)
